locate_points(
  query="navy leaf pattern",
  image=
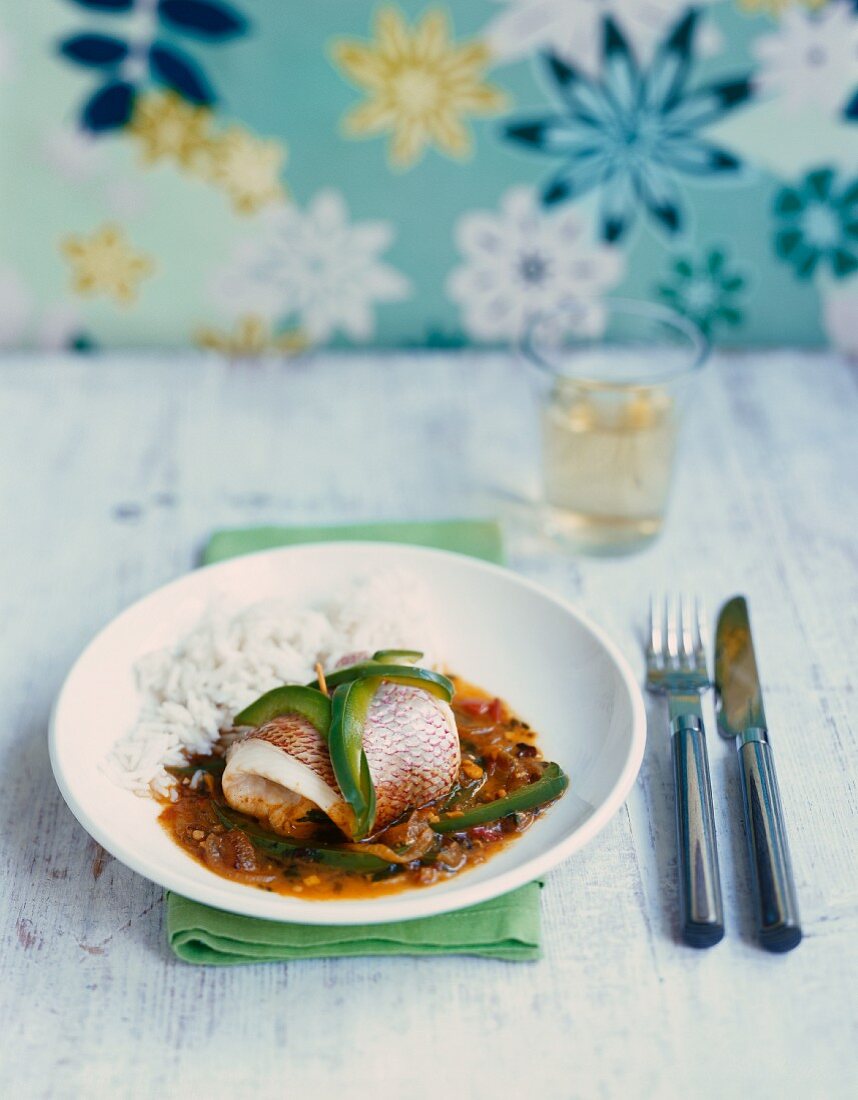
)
(177, 70)
(110, 107)
(206, 18)
(633, 130)
(95, 50)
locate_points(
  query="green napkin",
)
(503, 928)
(480, 539)
(507, 927)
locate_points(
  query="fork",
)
(676, 667)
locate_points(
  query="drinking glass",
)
(610, 403)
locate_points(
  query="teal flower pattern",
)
(634, 130)
(710, 147)
(705, 290)
(818, 225)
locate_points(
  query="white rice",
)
(191, 691)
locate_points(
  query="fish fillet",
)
(279, 771)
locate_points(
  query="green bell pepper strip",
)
(349, 709)
(290, 699)
(275, 845)
(550, 785)
(424, 678)
(388, 655)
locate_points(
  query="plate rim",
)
(407, 905)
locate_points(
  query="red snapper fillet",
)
(282, 769)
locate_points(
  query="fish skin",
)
(298, 737)
(258, 789)
(411, 745)
(354, 658)
(408, 768)
(412, 749)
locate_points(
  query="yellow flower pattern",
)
(247, 168)
(420, 86)
(224, 173)
(169, 128)
(251, 337)
(778, 7)
(106, 263)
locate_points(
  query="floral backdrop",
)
(267, 175)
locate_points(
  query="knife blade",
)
(741, 715)
(736, 674)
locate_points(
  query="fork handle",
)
(700, 905)
(774, 888)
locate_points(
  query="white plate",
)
(557, 670)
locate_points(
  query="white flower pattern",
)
(314, 267)
(633, 131)
(812, 58)
(572, 29)
(524, 261)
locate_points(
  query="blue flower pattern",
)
(633, 130)
(624, 121)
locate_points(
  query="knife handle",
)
(700, 906)
(771, 868)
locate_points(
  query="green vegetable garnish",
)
(424, 678)
(388, 655)
(276, 845)
(349, 708)
(291, 699)
(550, 785)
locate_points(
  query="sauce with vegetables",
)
(502, 785)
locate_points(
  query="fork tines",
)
(676, 632)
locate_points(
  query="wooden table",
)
(113, 472)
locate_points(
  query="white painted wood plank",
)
(113, 471)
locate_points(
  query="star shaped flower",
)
(251, 338)
(314, 268)
(170, 128)
(810, 59)
(248, 168)
(633, 130)
(106, 263)
(420, 83)
(522, 261)
(777, 7)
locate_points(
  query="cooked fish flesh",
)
(282, 769)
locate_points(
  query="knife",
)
(741, 716)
